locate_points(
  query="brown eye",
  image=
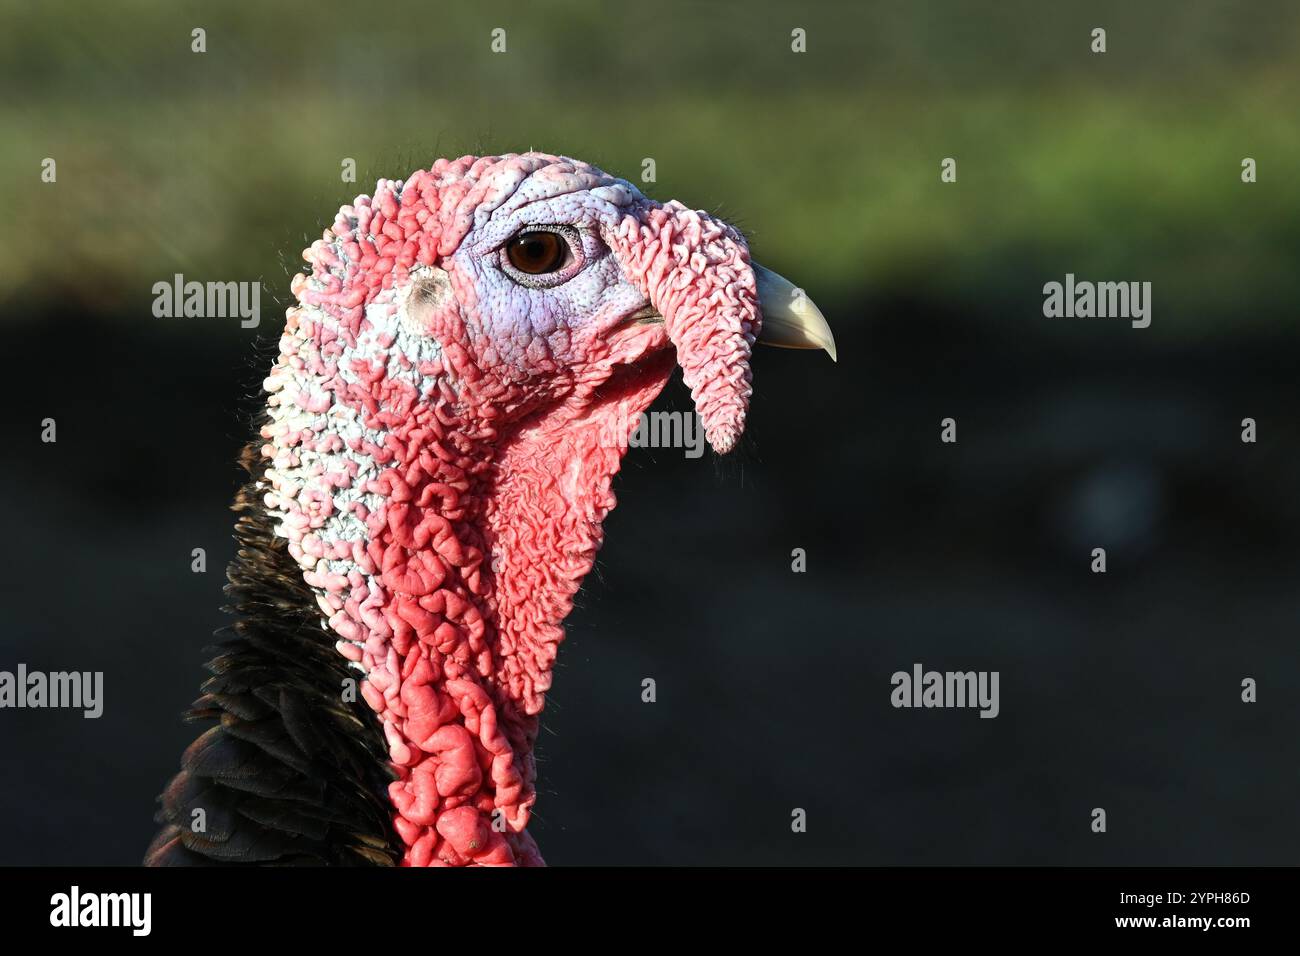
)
(535, 253)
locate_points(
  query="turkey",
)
(452, 398)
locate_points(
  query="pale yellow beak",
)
(790, 320)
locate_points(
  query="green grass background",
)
(1124, 165)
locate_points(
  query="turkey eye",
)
(535, 253)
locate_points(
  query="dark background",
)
(1119, 690)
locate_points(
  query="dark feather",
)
(291, 774)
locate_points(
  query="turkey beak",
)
(790, 320)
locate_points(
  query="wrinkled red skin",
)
(442, 462)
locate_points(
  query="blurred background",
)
(1119, 691)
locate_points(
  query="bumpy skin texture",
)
(289, 774)
(442, 441)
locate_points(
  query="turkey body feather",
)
(294, 771)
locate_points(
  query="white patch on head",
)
(322, 458)
(428, 292)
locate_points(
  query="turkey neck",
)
(478, 537)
